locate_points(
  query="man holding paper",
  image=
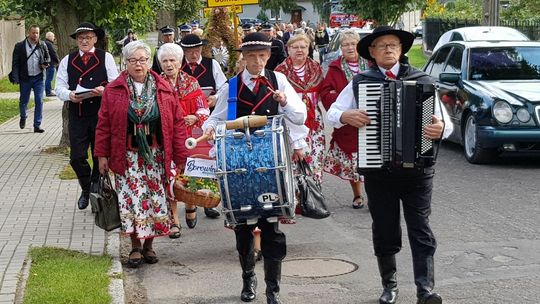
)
(81, 79)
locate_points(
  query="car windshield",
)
(504, 63)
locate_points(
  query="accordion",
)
(398, 110)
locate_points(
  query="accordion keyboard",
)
(369, 138)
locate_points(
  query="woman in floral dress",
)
(305, 75)
(195, 109)
(140, 137)
(341, 157)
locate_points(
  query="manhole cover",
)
(317, 267)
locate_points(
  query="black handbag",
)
(310, 195)
(105, 205)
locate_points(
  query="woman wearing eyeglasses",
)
(195, 108)
(140, 137)
(341, 157)
(305, 75)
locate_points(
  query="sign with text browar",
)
(198, 167)
(217, 3)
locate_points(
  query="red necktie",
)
(86, 57)
(390, 75)
(193, 66)
(258, 81)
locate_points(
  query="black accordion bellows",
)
(398, 110)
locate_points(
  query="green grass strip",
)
(416, 56)
(10, 108)
(6, 86)
(63, 276)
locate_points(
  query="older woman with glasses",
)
(140, 137)
(341, 157)
(306, 76)
(195, 108)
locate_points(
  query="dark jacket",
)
(277, 54)
(52, 52)
(19, 69)
(322, 38)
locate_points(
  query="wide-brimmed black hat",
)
(255, 41)
(191, 41)
(88, 27)
(405, 38)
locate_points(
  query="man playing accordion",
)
(386, 187)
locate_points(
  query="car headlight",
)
(502, 112)
(523, 115)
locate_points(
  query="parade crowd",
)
(135, 122)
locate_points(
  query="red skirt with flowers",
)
(142, 196)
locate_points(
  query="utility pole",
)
(491, 12)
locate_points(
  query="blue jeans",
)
(48, 79)
(35, 83)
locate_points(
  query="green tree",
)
(276, 5)
(459, 9)
(522, 10)
(381, 11)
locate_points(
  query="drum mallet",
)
(191, 143)
(250, 121)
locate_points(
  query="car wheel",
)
(473, 152)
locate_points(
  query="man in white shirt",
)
(262, 92)
(387, 186)
(80, 81)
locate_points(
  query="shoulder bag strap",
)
(233, 91)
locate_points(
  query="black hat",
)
(247, 26)
(191, 41)
(255, 41)
(266, 27)
(167, 30)
(185, 28)
(88, 27)
(405, 38)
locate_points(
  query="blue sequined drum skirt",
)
(254, 173)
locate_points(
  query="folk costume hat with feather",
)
(405, 38)
(88, 27)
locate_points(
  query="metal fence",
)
(434, 28)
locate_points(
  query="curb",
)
(116, 273)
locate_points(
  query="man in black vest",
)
(168, 37)
(208, 73)
(30, 59)
(278, 48)
(255, 85)
(81, 79)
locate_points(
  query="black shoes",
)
(51, 95)
(431, 298)
(211, 212)
(387, 270)
(83, 200)
(249, 289)
(22, 123)
(191, 223)
(38, 130)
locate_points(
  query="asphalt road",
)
(485, 219)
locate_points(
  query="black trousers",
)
(273, 242)
(385, 190)
(82, 134)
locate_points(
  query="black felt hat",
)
(255, 41)
(191, 41)
(167, 30)
(405, 38)
(88, 27)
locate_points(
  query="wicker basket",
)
(194, 198)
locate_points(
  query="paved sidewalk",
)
(36, 207)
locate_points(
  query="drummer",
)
(262, 92)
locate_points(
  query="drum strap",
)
(233, 92)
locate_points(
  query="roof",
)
(481, 33)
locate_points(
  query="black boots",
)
(387, 269)
(272, 277)
(249, 287)
(424, 278)
(84, 200)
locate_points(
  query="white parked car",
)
(481, 33)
